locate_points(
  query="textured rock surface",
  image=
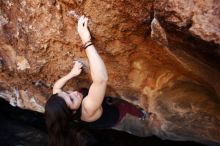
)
(177, 79)
(201, 18)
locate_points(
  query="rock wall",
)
(161, 55)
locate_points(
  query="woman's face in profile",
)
(73, 99)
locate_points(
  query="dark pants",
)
(131, 119)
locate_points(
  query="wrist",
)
(85, 45)
(70, 75)
(84, 42)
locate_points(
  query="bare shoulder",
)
(89, 114)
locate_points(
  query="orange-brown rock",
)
(161, 55)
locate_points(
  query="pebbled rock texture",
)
(161, 55)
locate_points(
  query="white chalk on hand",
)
(72, 13)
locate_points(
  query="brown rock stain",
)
(174, 80)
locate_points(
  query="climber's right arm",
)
(92, 104)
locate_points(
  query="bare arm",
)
(92, 103)
(62, 81)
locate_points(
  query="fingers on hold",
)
(83, 21)
(82, 18)
(86, 22)
(80, 21)
(80, 64)
(75, 62)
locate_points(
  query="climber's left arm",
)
(76, 70)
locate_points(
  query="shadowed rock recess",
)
(162, 55)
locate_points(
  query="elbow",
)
(56, 90)
(101, 79)
(105, 79)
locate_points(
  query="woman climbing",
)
(68, 111)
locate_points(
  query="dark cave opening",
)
(21, 127)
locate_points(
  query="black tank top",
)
(108, 119)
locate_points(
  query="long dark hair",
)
(62, 130)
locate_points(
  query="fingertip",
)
(86, 19)
(81, 19)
